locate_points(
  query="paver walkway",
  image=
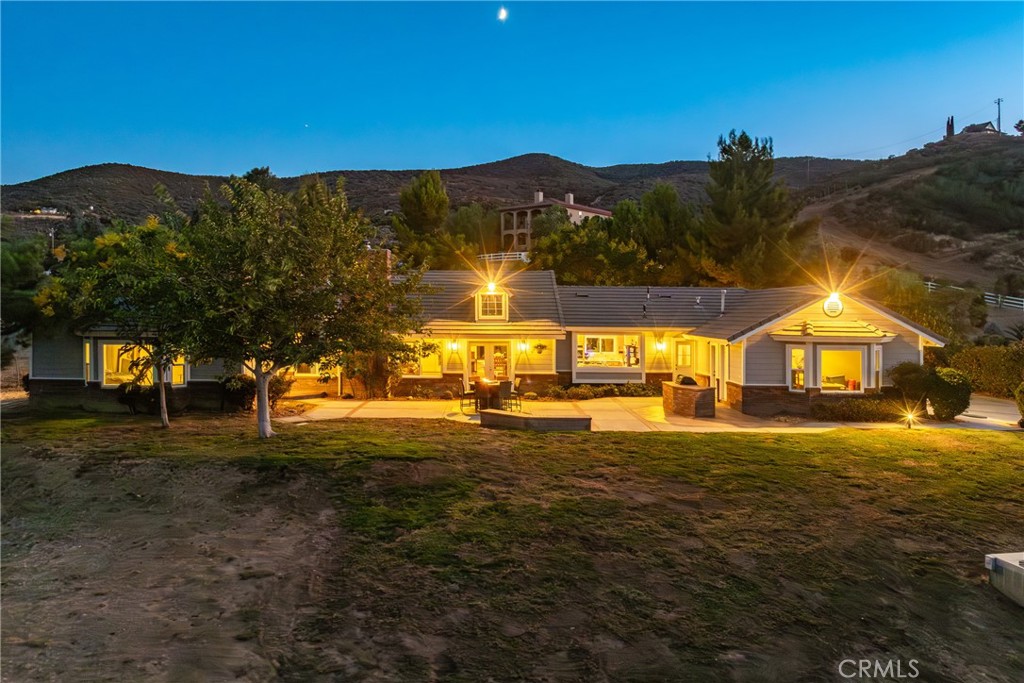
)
(640, 415)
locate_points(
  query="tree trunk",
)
(164, 420)
(263, 403)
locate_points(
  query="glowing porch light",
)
(453, 345)
(832, 306)
(660, 345)
(523, 346)
(491, 287)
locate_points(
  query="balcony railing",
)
(523, 256)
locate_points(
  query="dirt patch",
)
(141, 571)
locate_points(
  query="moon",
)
(502, 14)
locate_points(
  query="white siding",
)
(528, 361)
(658, 360)
(58, 355)
(209, 372)
(564, 354)
(766, 358)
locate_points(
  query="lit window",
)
(684, 354)
(175, 374)
(87, 356)
(842, 369)
(307, 369)
(607, 351)
(428, 366)
(796, 369)
(121, 365)
(491, 306)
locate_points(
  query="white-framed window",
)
(605, 350)
(684, 354)
(492, 306)
(307, 369)
(121, 365)
(878, 367)
(174, 374)
(427, 366)
(842, 369)
(87, 360)
(797, 358)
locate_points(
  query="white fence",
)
(523, 256)
(994, 300)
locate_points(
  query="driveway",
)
(640, 415)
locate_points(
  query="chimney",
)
(568, 198)
(723, 302)
(538, 197)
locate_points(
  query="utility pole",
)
(999, 113)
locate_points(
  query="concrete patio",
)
(644, 415)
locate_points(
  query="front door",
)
(489, 360)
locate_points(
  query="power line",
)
(916, 137)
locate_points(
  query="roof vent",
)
(569, 198)
(538, 197)
(698, 304)
(582, 295)
(664, 296)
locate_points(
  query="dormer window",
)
(491, 304)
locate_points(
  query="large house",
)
(763, 351)
(517, 221)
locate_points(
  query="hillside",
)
(952, 210)
(120, 190)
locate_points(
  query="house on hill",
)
(762, 351)
(516, 221)
(974, 128)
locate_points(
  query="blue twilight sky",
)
(221, 88)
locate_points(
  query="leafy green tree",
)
(424, 204)
(750, 234)
(549, 221)
(278, 280)
(627, 221)
(476, 225)
(1019, 126)
(21, 274)
(130, 278)
(585, 255)
(262, 177)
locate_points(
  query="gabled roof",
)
(986, 127)
(650, 307)
(532, 299)
(544, 203)
(755, 309)
(832, 329)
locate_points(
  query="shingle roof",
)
(657, 307)
(756, 308)
(831, 329)
(532, 302)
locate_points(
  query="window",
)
(427, 366)
(175, 373)
(607, 351)
(307, 369)
(120, 365)
(491, 306)
(684, 354)
(87, 358)
(842, 369)
(797, 370)
(878, 367)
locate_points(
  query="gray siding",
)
(766, 358)
(736, 363)
(209, 372)
(563, 354)
(57, 356)
(608, 377)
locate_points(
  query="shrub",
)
(1019, 396)
(277, 388)
(144, 398)
(639, 389)
(866, 409)
(583, 393)
(950, 394)
(446, 395)
(24, 382)
(239, 392)
(994, 370)
(914, 381)
(530, 396)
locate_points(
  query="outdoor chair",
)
(517, 399)
(505, 394)
(467, 397)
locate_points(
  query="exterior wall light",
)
(833, 307)
(453, 345)
(491, 287)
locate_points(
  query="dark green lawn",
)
(433, 550)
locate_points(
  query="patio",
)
(643, 415)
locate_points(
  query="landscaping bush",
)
(583, 393)
(639, 389)
(530, 396)
(238, 392)
(24, 382)
(868, 409)
(914, 381)
(144, 399)
(950, 394)
(1019, 396)
(277, 388)
(995, 370)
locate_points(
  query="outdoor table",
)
(493, 398)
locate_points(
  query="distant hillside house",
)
(986, 127)
(517, 221)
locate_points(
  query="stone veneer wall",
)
(765, 401)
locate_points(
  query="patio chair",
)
(505, 394)
(467, 397)
(517, 399)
